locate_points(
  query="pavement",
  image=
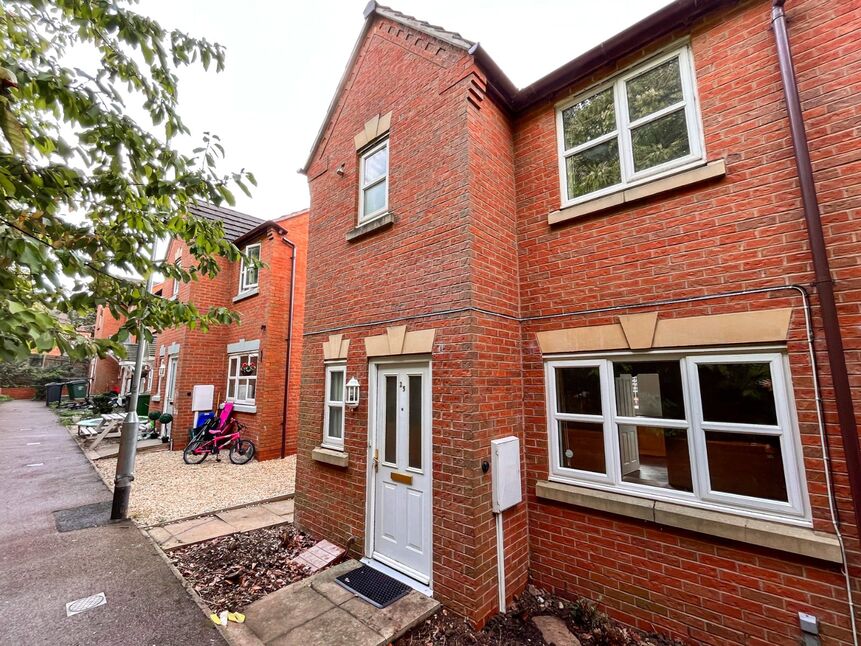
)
(316, 611)
(222, 523)
(41, 569)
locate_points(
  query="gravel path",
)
(165, 488)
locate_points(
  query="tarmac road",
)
(41, 569)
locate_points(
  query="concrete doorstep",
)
(316, 611)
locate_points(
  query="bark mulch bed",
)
(585, 622)
(231, 572)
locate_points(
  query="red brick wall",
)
(471, 188)
(18, 392)
(743, 232)
(264, 316)
(104, 373)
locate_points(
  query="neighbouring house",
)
(255, 363)
(114, 372)
(610, 266)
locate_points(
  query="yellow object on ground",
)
(238, 617)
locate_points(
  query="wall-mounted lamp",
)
(351, 396)
(340, 170)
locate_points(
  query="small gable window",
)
(374, 181)
(642, 125)
(249, 274)
(177, 260)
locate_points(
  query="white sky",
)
(285, 58)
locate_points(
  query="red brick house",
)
(611, 266)
(254, 363)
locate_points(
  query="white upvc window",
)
(642, 125)
(242, 378)
(177, 260)
(710, 429)
(374, 181)
(333, 410)
(249, 275)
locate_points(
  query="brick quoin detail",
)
(471, 187)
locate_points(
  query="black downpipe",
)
(289, 348)
(822, 271)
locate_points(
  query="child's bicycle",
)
(206, 442)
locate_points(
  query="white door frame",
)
(371, 481)
(170, 374)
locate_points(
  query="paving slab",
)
(279, 613)
(212, 527)
(281, 507)
(335, 627)
(393, 621)
(247, 519)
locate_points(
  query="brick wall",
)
(743, 232)
(104, 373)
(471, 187)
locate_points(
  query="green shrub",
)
(102, 404)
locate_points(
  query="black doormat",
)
(373, 586)
(84, 517)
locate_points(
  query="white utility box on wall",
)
(505, 473)
(201, 397)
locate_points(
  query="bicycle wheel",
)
(190, 457)
(242, 451)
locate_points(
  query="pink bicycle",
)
(208, 442)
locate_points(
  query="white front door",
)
(170, 385)
(401, 469)
(628, 444)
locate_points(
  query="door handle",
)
(376, 460)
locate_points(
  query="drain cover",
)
(87, 603)
(373, 586)
(84, 517)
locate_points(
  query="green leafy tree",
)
(86, 188)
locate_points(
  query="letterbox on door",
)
(505, 473)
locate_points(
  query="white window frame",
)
(329, 441)
(363, 186)
(244, 284)
(177, 260)
(238, 357)
(795, 510)
(622, 133)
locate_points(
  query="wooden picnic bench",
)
(109, 426)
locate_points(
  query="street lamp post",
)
(131, 425)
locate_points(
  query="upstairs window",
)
(642, 125)
(248, 273)
(374, 181)
(177, 260)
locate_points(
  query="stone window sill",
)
(155, 398)
(247, 294)
(245, 408)
(778, 536)
(330, 456)
(710, 171)
(377, 224)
